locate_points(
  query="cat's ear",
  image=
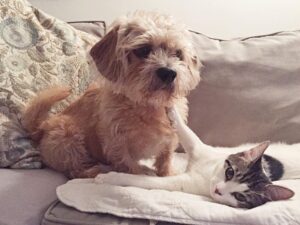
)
(276, 192)
(255, 153)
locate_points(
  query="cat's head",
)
(241, 181)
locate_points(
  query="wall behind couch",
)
(216, 18)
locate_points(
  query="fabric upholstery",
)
(249, 90)
(36, 51)
(60, 214)
(26, 194)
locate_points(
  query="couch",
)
(248, 93)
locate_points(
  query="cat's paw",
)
(113, 178)
(172, 114)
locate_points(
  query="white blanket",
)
(161, 205)
(130, 202)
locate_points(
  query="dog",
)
(147, 62)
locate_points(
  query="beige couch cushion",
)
(250, 90)
(26, 194)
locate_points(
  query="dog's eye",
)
(142, 52)
(179, 54)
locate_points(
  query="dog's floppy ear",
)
(105, 55)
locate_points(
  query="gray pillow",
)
(250, 89)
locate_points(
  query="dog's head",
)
(149, 58)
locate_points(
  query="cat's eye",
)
(143, 51)
(179, 54)
(229, 173)
(238, 196)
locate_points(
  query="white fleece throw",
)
(161, 205)
(130, 202)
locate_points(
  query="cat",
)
(231, 176)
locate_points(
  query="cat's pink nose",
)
(217, 191)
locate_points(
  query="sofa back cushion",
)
(250, 90)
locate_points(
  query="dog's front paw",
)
(113, 178)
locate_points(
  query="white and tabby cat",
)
(239, 177)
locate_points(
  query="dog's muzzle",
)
(166, 75)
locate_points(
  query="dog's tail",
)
(37, 110)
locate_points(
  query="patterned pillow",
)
(36, 51)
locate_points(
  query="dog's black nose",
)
(166, 75)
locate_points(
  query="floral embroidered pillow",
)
(36, 51)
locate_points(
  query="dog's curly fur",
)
(122, 119)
